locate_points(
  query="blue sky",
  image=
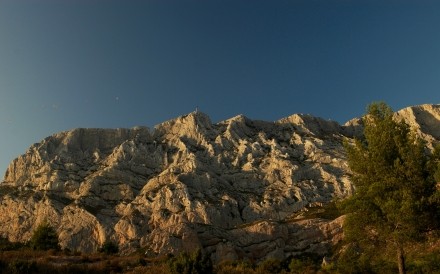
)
(68, 64)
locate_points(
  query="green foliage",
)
(270, 266)
(304, 263)
(44, 238)
(109, 247)
(352, 260)
(428, 263)
(394, 179)
(302, 266)
(232, 267)
(194, 263)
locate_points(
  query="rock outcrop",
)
(237, 189)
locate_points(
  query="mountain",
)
(239, 188)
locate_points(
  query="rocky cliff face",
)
(238, 188)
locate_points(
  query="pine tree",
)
(395, 186)
(44, 238)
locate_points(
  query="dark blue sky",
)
(68, 64)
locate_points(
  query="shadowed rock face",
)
(235, 188)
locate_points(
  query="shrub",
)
(234, 267)
(44, 238)
(302, 266)
(194, 263)
(270, 266)
(109, 247)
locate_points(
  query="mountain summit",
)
(239, 188)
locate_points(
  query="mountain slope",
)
(237, 188)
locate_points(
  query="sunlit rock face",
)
(236, 189)
(424, 119)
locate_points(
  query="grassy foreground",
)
(421, 259)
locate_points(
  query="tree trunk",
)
(401, 260)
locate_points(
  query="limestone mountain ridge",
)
(236, 189)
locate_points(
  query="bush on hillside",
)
(109, 247)
(194, 263)
(44, 238)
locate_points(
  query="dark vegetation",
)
(44, 238)
(396, 204)
(109, 247)
(392, 221)
(423, 257)
(186, 263)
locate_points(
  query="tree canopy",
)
(44, 238)
(395, 188)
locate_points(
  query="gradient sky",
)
(108, 64)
